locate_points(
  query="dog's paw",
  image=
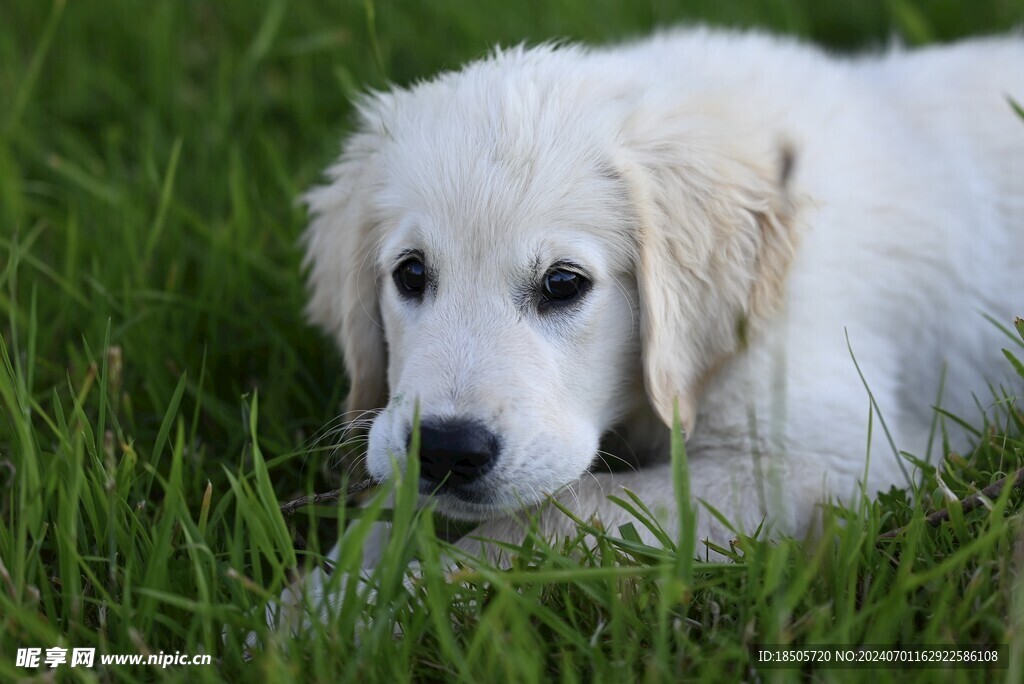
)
(316, 600)
(300, 605)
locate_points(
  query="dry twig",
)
(968, 504)
(328, 497)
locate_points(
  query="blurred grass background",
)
(151, 154)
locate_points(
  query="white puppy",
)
(552, 247)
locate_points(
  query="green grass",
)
(160, 393)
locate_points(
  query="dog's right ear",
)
(341, 264)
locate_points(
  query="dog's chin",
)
(475, 503)
(457, 509)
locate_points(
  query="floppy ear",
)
(716, 237)
(341, 263)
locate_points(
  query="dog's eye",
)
(411, 277)
(562, 286)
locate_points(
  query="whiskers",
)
(344, 438)
(604, 456)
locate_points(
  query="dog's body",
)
(729, 207)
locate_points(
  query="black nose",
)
(455, 451)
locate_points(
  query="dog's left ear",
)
(340, 258)
(716, 234)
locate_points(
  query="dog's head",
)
(523, 248)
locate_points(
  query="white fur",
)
(741, 203)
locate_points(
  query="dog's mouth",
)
(466, 506)
(476, 501)
(464, 493)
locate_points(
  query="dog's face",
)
(513, 253)
(509, 317)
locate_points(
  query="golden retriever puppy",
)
(551, 248)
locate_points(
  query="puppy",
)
(550, 249)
